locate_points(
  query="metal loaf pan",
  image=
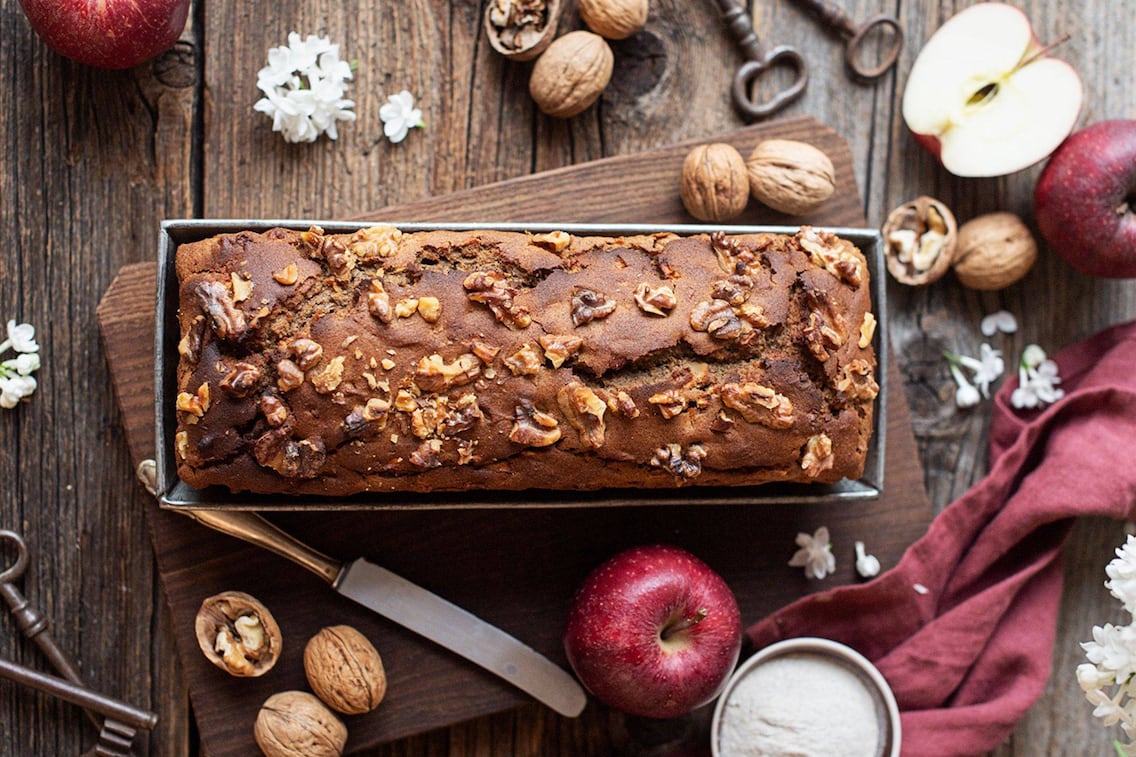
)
(176, 494)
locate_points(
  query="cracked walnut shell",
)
(521, 29)
(238, 634)
(794, 178)
(571, 74)
(920, 239)
(714, 182)
(345, 670)
(296, 724)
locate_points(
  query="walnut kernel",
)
(682, 464)
(328, 380)
(532, 427)
(559, 347)
(238, 634)
(493, 290)
(655, 300)
(588, 305)
(288, 375)
(242, 380)
(433, 373)
(288, 275)
(920, 238)
(585, 411)
(758, 404)
(818, 455)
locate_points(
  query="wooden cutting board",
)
(516, 569)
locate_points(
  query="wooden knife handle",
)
(254, 529)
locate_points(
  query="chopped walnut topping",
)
(734, 290)
(622, 403)
(754, 313)
(655, 300)
(818, 455)
(242, 380)
(556, 241)
(670, 402)
(820, 337)
(532, 427)
(525, 361)
(588, 305)
(227, 320)
(487, 352)
(288, 375)
(585, 411)
(387, 364)
(718, 319)
(491, 288)
(305, 352)
(672, 458)
(405, 402)
(837, 256)
(291, 459)
(465, 415)
(339, 259)
(433, 373)
(428, 417)
(722, 423)
(327, 380)
(857, 381)
(559, 347)
(406, 308)
(733, 257)
(242, 287)
(379, 302)
(867, 330)
(181, 444)
(428, 454)
(375, 242)
(189, 346)
(275, 411)
(288, 275)
(195, 404)
(758, 404)
(376, 409)
(465, 451)
(430, 309)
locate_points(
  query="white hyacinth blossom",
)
(304, 86)
(815, 554)
(16, 380)
(399, 116)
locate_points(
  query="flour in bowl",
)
(800, 705)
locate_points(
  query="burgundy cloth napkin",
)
(963, 627)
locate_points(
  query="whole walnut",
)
(571, 74)
(345, 670)
(614, 19)
(296, 724)
(714, 183)
(792, 177)
(994, 251)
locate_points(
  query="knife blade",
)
(462, 632)
(413, 607)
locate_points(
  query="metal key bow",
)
(757, 63)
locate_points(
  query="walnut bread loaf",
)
(427, 361)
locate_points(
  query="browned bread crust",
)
(443, 361)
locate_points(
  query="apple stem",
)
(687, 622)
(1041, 53)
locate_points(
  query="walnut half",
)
(238, 634)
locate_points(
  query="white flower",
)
(15, 388)
(400, 116)
(23, 364)
(1091, 678)
(1037, 380)
(1113, 650)
(867, 565)
(815, 554)
(21, 338)
(1003, 321)
(304, 85)
(966, 395)
(988, 368)
(1122, 575)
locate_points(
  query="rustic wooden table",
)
(94, 159)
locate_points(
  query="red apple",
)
(654, 632)
(1085, 200)
(985, 97)
(108, 33)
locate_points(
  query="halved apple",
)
(985, 97)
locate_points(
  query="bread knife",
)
(409, 605)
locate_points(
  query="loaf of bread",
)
(323, 364)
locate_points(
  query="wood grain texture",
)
(93, 160)
(487, 568)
